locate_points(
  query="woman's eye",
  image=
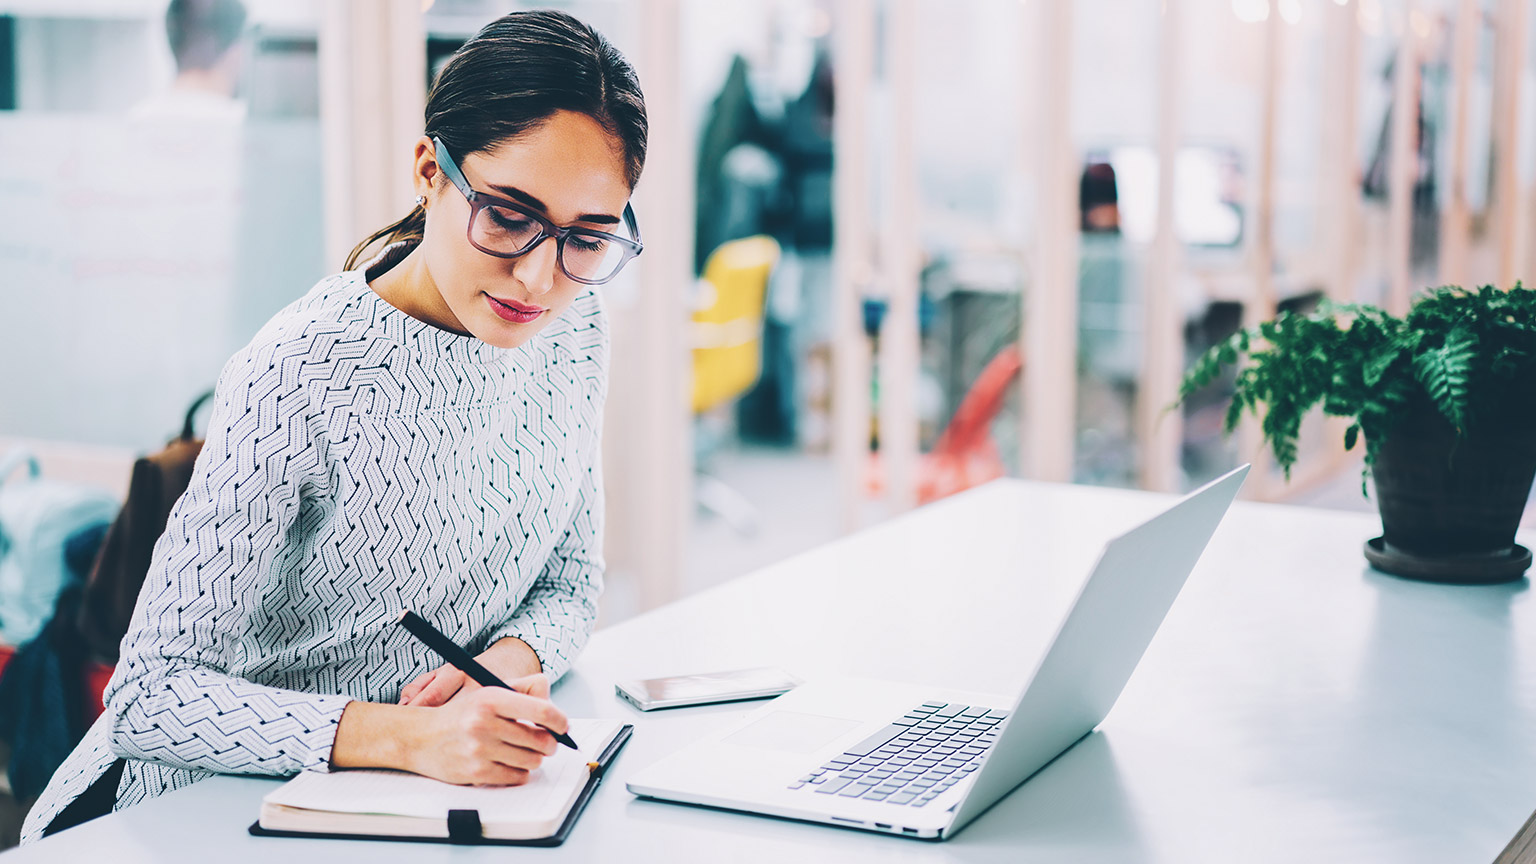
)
(510, 223)
(586, 244)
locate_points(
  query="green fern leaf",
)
(1377, 366)
(1445, 373)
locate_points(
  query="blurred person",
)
(204, 36)
(1098, 199)
(419, 431)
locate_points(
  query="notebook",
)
(396, 805)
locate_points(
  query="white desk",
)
(1296, 706)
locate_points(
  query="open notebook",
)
(395, 804)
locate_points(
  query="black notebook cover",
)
(605, 760)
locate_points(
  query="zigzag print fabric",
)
(358, 462)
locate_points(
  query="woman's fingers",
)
(410, 690)
(486, 735)
(524, 758)
(442, 688)
(435, 687)
(513, 705)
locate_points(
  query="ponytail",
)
(412, 227)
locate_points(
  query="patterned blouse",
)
(358, 462)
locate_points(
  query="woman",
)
(421, 432)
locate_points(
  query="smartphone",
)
(707, 688)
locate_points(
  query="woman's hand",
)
(477, 737)
(482, 735)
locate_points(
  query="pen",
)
(450, 651)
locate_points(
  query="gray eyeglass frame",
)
(480, 200)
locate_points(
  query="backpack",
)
(113, 583)
(37, 517)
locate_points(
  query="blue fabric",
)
(42, 688)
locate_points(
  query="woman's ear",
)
(425, 173)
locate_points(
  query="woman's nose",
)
(536, 267)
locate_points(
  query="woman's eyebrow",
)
(520, 195)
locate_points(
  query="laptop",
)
(923, 762)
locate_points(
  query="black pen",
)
(434, 639)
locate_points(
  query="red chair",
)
(965, 454)
(95, 677)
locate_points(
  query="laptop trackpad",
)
(793, 731)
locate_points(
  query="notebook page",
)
(398, 793)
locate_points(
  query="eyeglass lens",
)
(582, 256)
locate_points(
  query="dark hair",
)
(202, 31)
(509, 79)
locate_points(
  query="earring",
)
(420, 200)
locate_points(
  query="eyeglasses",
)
(507, 229)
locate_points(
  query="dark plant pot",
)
(1450, 507)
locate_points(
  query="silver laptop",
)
(923, 762)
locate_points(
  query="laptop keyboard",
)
(912, 761)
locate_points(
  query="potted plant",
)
(1445, 399)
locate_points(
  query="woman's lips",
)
(511, 310)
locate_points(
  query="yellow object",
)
(727, 332)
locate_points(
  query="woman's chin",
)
(502, 334)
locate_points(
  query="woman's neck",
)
(409, 287)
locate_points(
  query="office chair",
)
(727, 343)
(965, 454)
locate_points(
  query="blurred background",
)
(893, 249)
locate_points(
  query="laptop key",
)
(874, 796)
(933, 705)
(834, 785)
(949, 710)
(875, 741)
(796, 785)
(902, 797)
(974, 712)
(855, 790)
(821, 779)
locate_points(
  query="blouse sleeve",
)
(172, 699)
